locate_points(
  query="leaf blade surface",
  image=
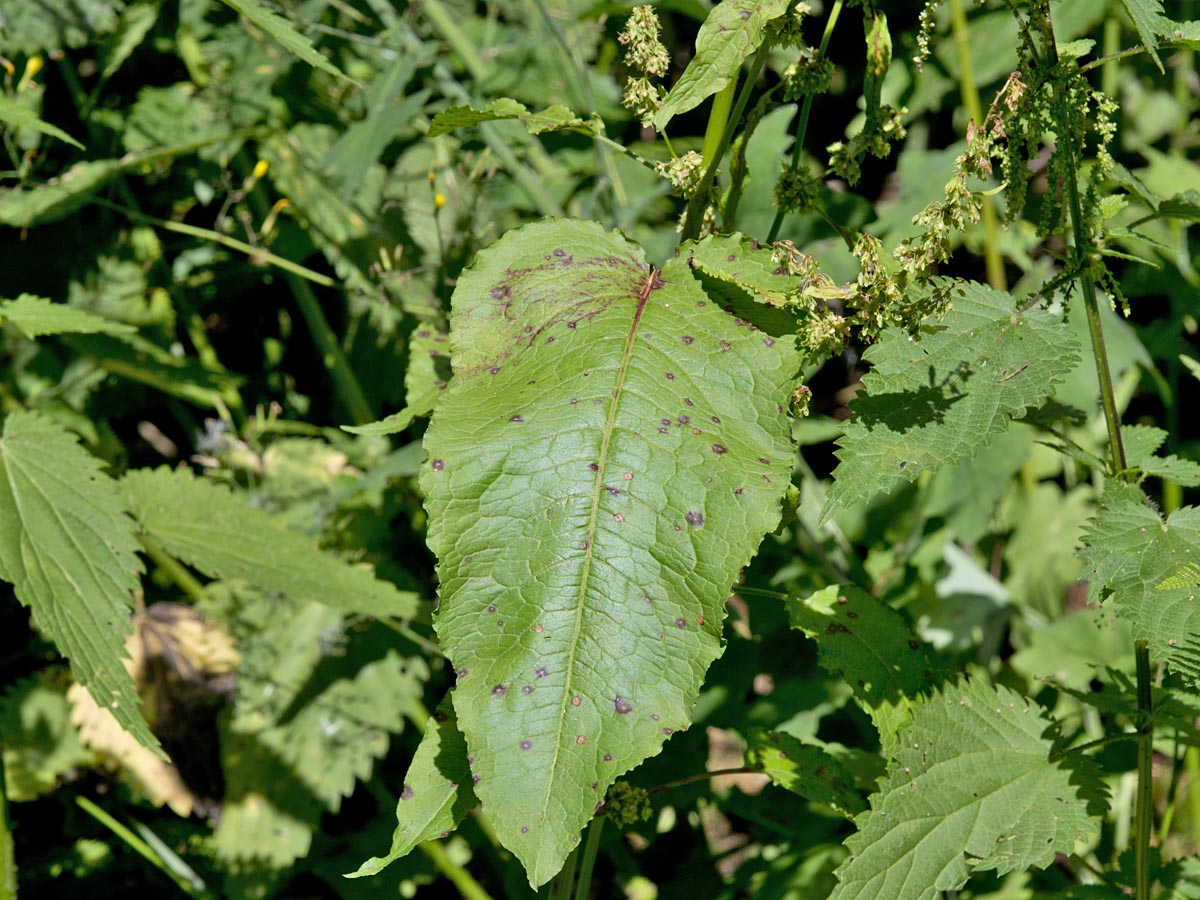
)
(608, 455)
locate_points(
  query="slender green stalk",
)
(456, 874)
(562, 886)
(1084, 250)
(142, 848)
(184, 580)
(257, 254)
(805, 109)
(332, 356)
(1109, 72)
(970, 94)
(8, 860)
(718, 121)
(345, 382)
(702, 776)
(695, 207)
(1191, 765)
(1143, 814)
(587, 861)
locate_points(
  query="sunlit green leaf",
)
(261, 16)
(67, 546)
(37, 316)
(609, 453)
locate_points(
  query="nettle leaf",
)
(870, 645)
(732, 32)
(23, 207)
(1149, 20)
(31, 28)
(68, 548)
(970, 787)
(805, 769)
(609, 454)
(15, 114)
(261, 16)
(37, 317)
(437, 792)
(1141, 443)
(206, 526)
(552, 118)
(1148, 567)
(935, 401)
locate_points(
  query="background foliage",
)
(231, 228)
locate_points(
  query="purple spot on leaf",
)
(687, 339)
(525, 745)
(719, 448)
(684, 420)
(491, 607)
(681, 622)
(668, 731)
(608, 757)
(407, 793)
(499, 690)
(517, 419)
(670, 376)
(694, 519)
(595, 467)
(524, 829)
(622, 706)
(437, 465)
(542, 672)
(528, 689)
(688, 402)
(769, 341)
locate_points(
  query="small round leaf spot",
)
(694, 519)
(719, 448)
(581, 740)
(687, 339)
(437, 465)
(525, 745)
(542, 672)
(681, 622)
(622, 706)
(576, 700)
(608, 757)
(499, 690)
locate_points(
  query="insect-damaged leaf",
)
(609, 453)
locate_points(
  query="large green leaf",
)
(208, 527)
(731, 33)
(1148, 567)
(36, 27)
(971, 787)
(866, 642)
(37, 316)
(609, 454)
(437, 790)
(552, 118)
(935, 401)
(68, 548)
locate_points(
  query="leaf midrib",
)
(614, 406)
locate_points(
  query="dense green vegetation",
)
(734, 450)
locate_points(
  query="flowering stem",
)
(805, 110)
(695, 207)
(970, 95)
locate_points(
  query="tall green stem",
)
(467, 886)
(805, 110)
(695, 207)
(1143, 814)
(587, 861)
(970, 94)
(1084, 251)
(8, 861)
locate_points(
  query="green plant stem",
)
(257, 254)
(176, 571)
(805, 109)
(139, 846)
(456, 874)
(1191, 765)
(718, 121)
(702, 776)
(8, 861)
(333, 357)
(1143, 815)
(1094, 745)
(562, 886)
(1109, 72)
(587, 861)
(1083, 263)
(695, 207)
(970, 94)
